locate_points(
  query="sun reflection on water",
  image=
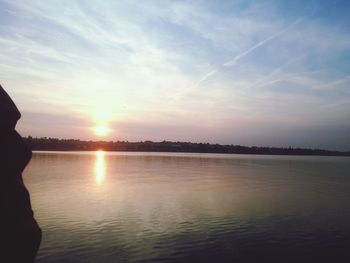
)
(100, 167)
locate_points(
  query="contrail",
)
(195, 85)
(243, 54)
(261, 43)
(332, 85)
(266, 79)
(205, 77)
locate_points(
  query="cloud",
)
(270, 78)
(334, 84)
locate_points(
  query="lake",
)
(183, 207)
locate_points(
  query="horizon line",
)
(207, 143)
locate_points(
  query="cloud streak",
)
(233, 61)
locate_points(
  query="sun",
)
(101, 130)
(102, 120)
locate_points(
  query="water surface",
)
(168, 207)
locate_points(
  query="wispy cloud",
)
(334, 84)
(271, 77)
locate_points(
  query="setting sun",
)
(101, 130)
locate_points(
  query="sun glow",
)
(102, 120)
(100, 167)
(101, 130)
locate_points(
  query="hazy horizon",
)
(272, 73)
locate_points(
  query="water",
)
(165, 207)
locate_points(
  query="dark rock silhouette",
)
(20, 235)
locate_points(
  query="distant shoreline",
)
(54, 144)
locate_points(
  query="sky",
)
(263, 73)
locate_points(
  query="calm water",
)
(164, 207)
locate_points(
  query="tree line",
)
(55, 144)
